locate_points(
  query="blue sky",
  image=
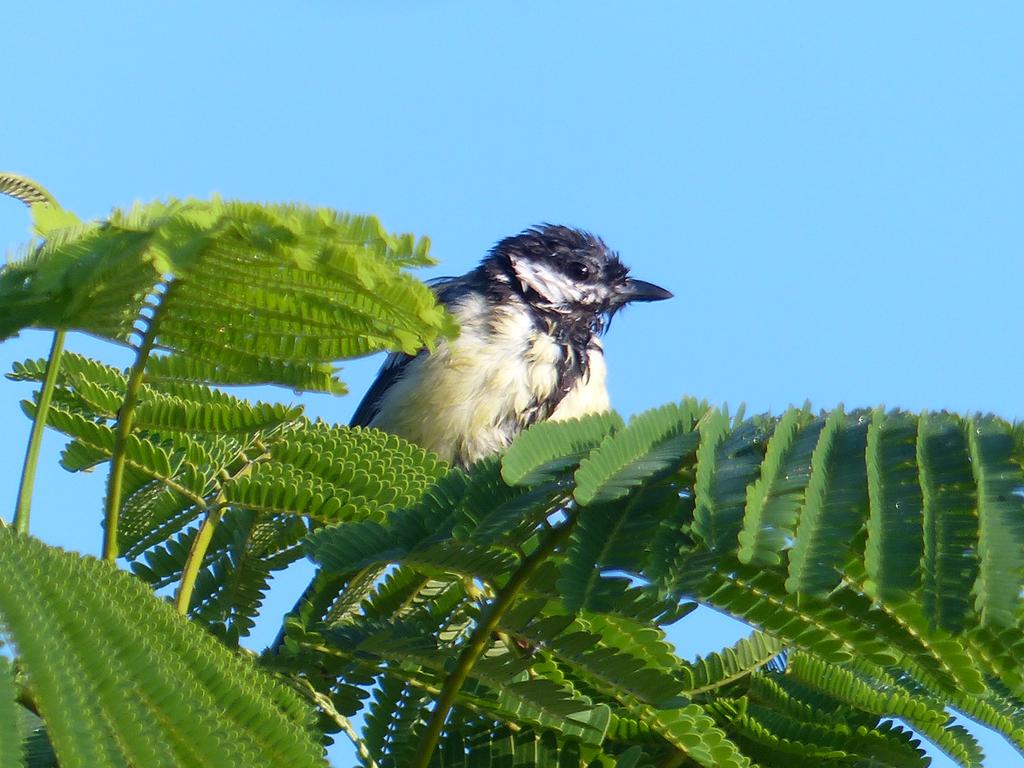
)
(834, 193)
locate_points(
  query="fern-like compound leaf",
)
(834, 507)
(773, 501)
(548, 449)
(723, 667)
(233, 293)
(1000, 484)
(120, 679)
(650, 443)
(949, 497)
(728, 462)
(895, 533)
(12, 747)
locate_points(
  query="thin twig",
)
(480, 639)
(35, 441)
(125, 418)
(197, 552)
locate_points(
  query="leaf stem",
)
(481, 637)
(196, 555)
(327, 707)
(125, 418)
(35, 441)
(197, 552)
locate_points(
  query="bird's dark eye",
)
(578, 270)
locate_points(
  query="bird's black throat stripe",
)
(576, 337)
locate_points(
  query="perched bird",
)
(531, 318)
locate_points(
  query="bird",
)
(531, 317)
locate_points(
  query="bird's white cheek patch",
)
(552, 285)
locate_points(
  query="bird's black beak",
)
(640, 290)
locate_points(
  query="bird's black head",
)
(565, 272)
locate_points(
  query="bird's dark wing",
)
(446, 289)
(389, 373)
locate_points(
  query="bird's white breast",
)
(472, 395)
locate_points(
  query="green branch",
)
(196, 555)
(125, 418)
(197, 552)
(481, 637)
(32, 194)
(328, 708)
(35, 441)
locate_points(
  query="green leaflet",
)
(142, 454)
(352, 547)
(499, 685)
(784, 694)
(28, 191)
(938, 660)
(390, 727)
(246, 549)
(77, 625)
(168, 407)
(540, 699)
(950, 555)
(612, 536)
(875, 696)
(997, 711)
(1000, 653)
(467, 747)
(834, 507)
(777, 738)
(620, 663)
(12, 749)
(895, 541)
(436, 533)
(548, 449)
(244, 293)
(728, 461)
(760, 598)
(691, 730)
(1001, 521)
(774, 500)
(337, 473)
(650, 443)
(725, 666)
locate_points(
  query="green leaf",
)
(835, 506)
(612, 536)
(235, 293)
(617, 663)
(774, 500)
(950, 555)
(725, 666)
(1001, 521)
(546, 450)
(650, 443)
(895, 541)
(119, 678)
(12, 748)
(873, 695)
(728, 462)
(691, 730)
(466, 747)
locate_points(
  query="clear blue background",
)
(833, 192)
